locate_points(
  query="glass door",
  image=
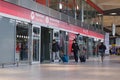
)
(36, 44)
(22, 41)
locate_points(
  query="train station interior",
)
(59, 39)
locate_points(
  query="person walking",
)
(55, 50)
(102, 49)
(75, 49)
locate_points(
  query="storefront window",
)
(22, 37)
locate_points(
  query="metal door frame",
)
(37, 26)
(29, 39)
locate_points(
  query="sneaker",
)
(59, 60)
(52, 60)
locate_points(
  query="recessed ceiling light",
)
(113, 13)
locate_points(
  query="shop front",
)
(27, 36)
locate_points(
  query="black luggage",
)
(82, 58)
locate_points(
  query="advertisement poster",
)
(107, 43)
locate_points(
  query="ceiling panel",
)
(107, 4)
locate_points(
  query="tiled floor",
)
(93, 69)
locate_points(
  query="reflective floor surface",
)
(93, 69)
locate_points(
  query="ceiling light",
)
(113, 13)
(77, 7)
(60, 5)
(99, 14)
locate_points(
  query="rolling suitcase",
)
(64, 58)
(82, 58)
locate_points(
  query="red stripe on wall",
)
(94, 6)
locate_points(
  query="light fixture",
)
(113, 13)
(60, 5)
(97, 22)
(99, 14)
(20, 36)
(17, 36)
(77, 7)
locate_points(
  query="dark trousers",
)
(76, 56)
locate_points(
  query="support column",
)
(82, 11)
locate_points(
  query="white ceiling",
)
(107, 4)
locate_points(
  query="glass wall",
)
(54, 4)
(91, 17)
(69, 7)
(78, 9)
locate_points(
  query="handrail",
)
(32, 5)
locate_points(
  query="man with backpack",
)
(55, 50)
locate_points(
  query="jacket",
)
(75, 47)
(102, 47)
(55, 47)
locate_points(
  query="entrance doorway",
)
(46, 44)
